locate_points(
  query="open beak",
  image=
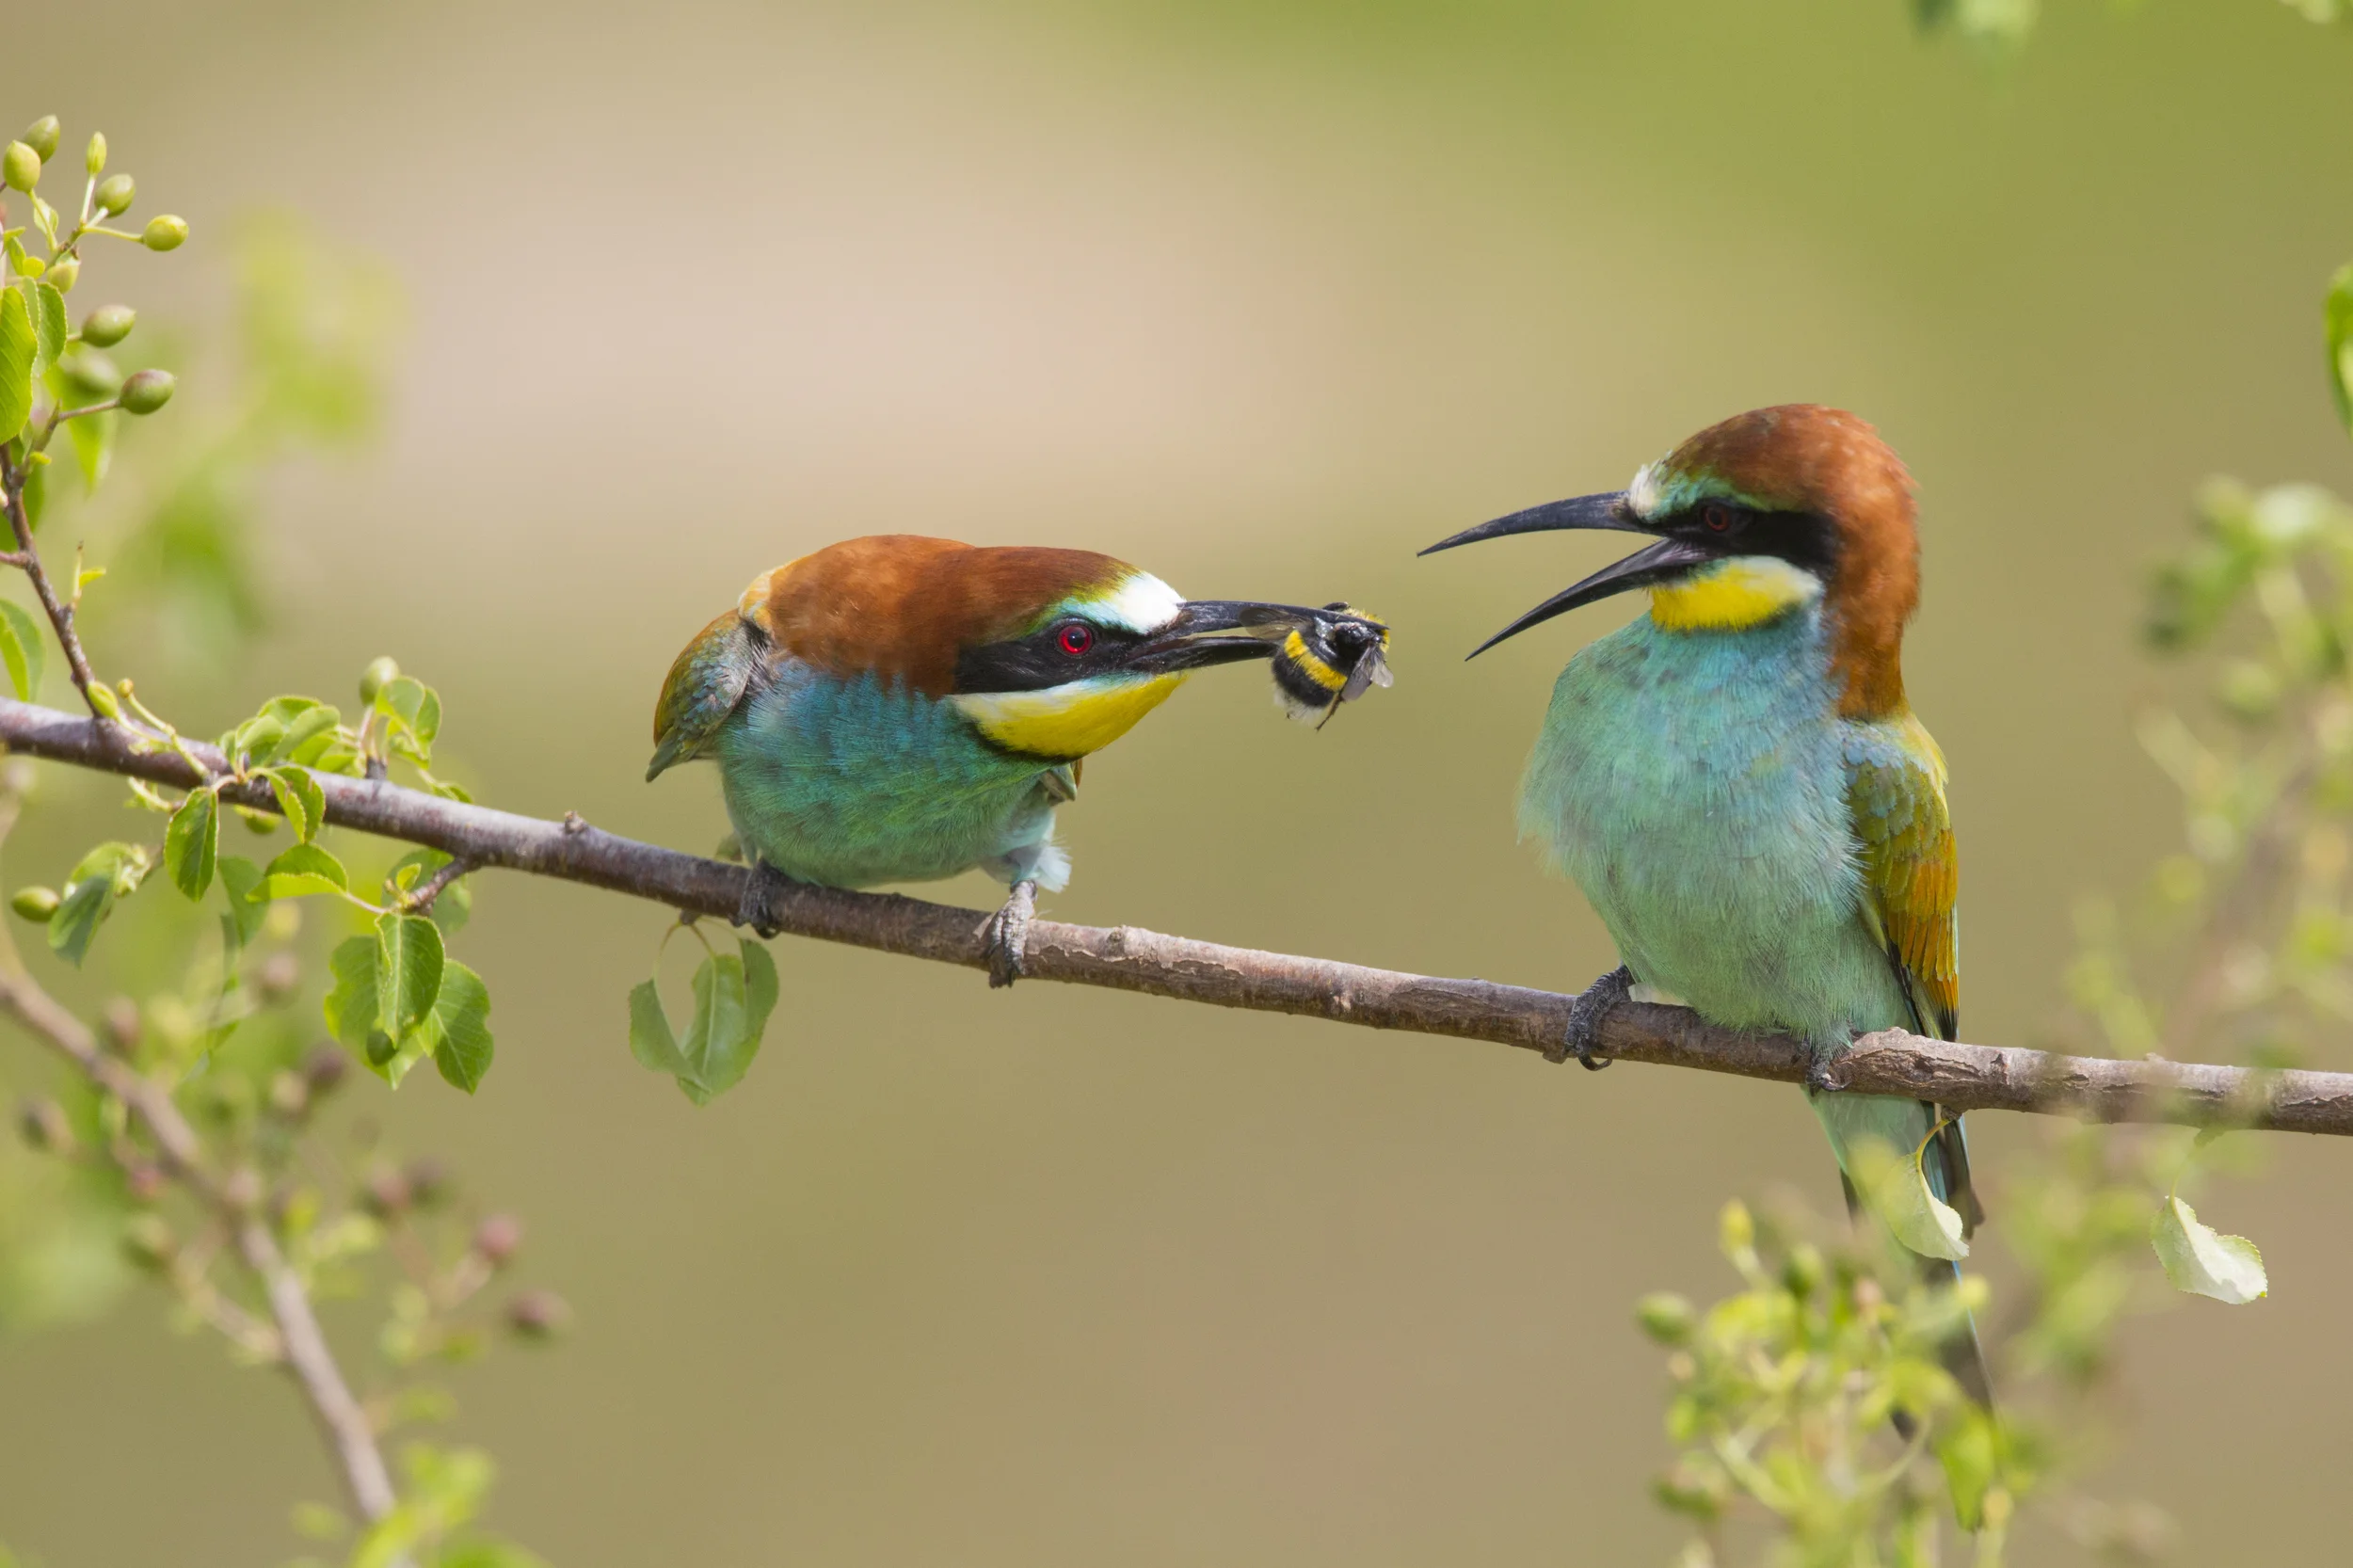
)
(1659, 563)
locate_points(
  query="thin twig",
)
(26, 558)
(1957, 1077)
(303, 1348)
(420, 899)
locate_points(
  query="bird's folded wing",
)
(1895, 797)
(705, 684)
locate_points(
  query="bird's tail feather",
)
(1906, 1124)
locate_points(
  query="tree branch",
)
(1958, 1077)
(302, 1345)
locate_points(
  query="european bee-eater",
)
(1736, 782)
(900, 709)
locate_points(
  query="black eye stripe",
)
(1043, 659)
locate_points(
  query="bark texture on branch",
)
(1957, 1077)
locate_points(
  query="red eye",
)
(1717, 516)
(1075, 638)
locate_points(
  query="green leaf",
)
(36, 496)
(1896, 1190)
(460, 1026)
(239, 878)
(299, 800)
(727, 1057)
(22, 649)
(734, 993)
(408, 963)
(46, 306)
(19, 344)
(302, 870)
(256, 740)
(649, 1037)
(351, 1005)
(94, 437)
(192, 843)
(2204, 1262)
(1969, 1453)
(106, 875)
(414, 710)
(309, 726)
(2339, 315)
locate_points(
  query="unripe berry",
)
(115, 192)
(497, 1237)
(537, 1314)
(165, 233)
(95, 159)
(325, 1069)
(34, 904)
(119, 1025)
(147, 390)
(379, 674)
(20, 166)
(1666, 1317)
(91, 374)
(41, 136)
(44, 1126)
(61, 274)
(386, 1194)
(149, 1240)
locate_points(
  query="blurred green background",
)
(1263, 296)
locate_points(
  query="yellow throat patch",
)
(1732, 595)
(1069, 720)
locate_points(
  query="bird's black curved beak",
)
(1667, 559)
(1225, 631)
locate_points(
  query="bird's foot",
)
(759, 892)
(1586, 1014)
(1820, 1079)
(1008, 932)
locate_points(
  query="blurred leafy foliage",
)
(2001, 27)
(92, 1199)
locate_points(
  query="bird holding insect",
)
(903, 708)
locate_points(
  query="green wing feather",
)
(706, 682)
(1911, 873)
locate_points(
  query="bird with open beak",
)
(902, 708)
(1736, 782)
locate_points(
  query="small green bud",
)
(379, 674)
(41, 136)
(63, 274)
(35, 903)
(20, 165)
(44, 1125)
(165, 233)
(95, 159)
(1736, 1231)
(115, 194)
(149, 1240)
(108, 325)
(91, 374)
(1801, 1271)
(103, 701)
(1666, 1317)
(147, 390)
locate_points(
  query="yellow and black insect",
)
(1337, 658)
